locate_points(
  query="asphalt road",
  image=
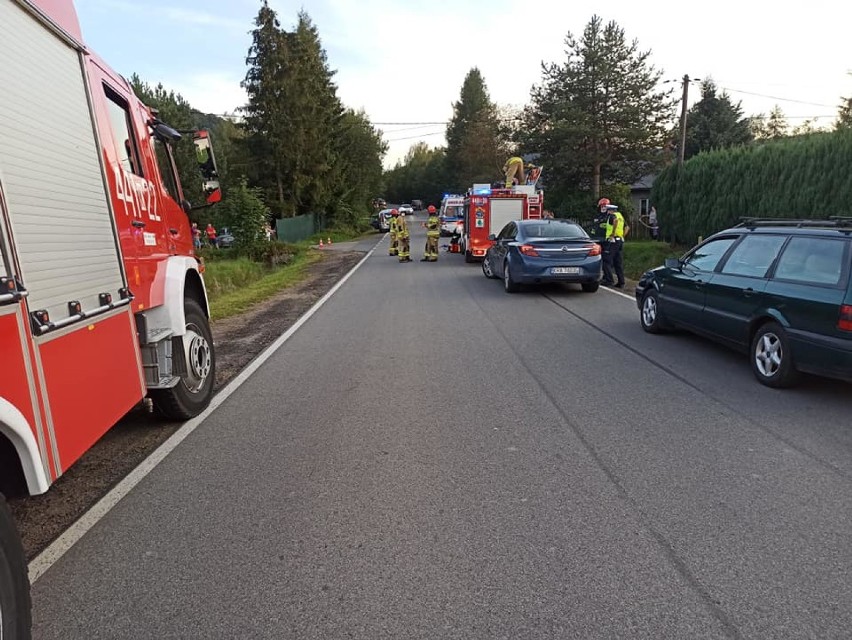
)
(430, 457)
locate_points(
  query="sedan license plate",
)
(565, 270)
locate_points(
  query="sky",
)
(404, 62)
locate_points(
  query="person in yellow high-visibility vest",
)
(394, 241)
(613, 248)
(403, 237)
(433, 232)
(514, 170)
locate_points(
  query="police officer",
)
(394, 241)
(613, 248)
(433, 232)
(403, 237)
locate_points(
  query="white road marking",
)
(76, 531)
(619, 293)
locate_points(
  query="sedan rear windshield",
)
(554, 230)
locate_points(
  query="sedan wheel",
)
(486, 268)
(508, 284)
(771, 359)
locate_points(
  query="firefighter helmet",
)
(603, 202)
(394, 212)
(431, 208)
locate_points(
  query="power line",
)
(383, 124)
(763, 95)
(423, 135)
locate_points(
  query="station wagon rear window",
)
(814, 261)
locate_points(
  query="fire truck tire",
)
(468, 256)
(193, 393)
(15, 612)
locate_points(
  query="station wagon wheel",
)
(771, 357)
(651, 316)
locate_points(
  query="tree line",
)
(597, 121)
(294, 148)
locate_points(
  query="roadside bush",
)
(801, 177)
(268, 253)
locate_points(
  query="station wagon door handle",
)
(747, 292)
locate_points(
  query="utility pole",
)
(682, 147)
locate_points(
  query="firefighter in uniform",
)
(514, 170)
(403, 238)
(433, 232)
(394, 241)
(613, 248)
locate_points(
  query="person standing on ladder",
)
(433, 232)
(514, 170)
(403, 238)
(393, 227)
(613, 248)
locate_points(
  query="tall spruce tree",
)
(715, 122)
(477, 142)
(265, 115)
(599, 115)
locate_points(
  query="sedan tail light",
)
(528, 250)
(845, 321)
(595, 250)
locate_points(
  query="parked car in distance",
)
(540, 251)
(406, 209)
(777, 290)
(225, 240)
(382, 220)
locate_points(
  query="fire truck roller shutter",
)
(503, 211)
(50, 170)
(14, 427)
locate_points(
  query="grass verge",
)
(641, 255)
(234, 286)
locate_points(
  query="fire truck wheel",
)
(192, 394)
(468, 256)
(15, 613)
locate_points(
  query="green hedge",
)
(804, 177)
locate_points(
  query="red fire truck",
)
(488, 210)
(102, 300)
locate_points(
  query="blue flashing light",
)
(482, 192)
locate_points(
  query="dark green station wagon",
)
(777, 289)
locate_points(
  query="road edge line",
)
(59, 547)
(619, 293)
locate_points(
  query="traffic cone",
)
(321, 244)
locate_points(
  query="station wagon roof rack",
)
(833, 221)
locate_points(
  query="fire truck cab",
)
(488, 210)
(102, 298)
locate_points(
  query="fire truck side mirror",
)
(207, 166)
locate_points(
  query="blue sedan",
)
(540, 251)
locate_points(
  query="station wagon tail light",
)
(845, 322)
(528, 250)
(595, 250)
